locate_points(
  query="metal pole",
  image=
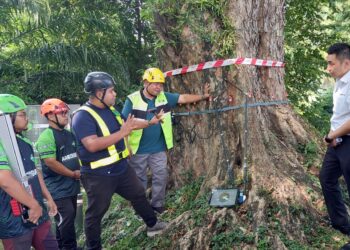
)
(245, 142)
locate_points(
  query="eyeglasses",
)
(22, 115)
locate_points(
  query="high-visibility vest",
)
(139, 110)
(114, 155)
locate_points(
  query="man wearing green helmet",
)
(149, 145)
(14, 232)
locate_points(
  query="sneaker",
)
(158, 228)
(159, 210)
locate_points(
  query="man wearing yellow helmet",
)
(149, 145)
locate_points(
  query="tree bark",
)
(275, 167)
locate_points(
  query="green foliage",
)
(198, 16)
(263, 239)
(310, 152)
(120, 222)
(185, 198)
(341, 19)
(307, 37)
(318, 112)
(47, 47)
(318, 236)
(231, 238)
(224, 38)
(311, 27)
(292, 244)
(263, 192)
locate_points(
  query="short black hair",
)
(340, 50)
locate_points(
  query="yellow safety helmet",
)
(154, 75)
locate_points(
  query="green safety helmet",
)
(11, 103)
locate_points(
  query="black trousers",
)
(65, 232)
(336, 163)
(100, 189)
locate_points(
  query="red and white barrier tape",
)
(221, 63)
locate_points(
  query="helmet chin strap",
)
(101, 99)
(57, 122)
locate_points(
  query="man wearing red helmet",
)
(60, 167)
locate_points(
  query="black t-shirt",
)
(83, 125)
(60, 145)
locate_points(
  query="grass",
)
(120, 224)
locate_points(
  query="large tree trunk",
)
(277, 177)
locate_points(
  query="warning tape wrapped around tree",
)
(222, 63)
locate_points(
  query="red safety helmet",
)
(54, 106)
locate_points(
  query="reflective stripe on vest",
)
(114, 154)
(139, 105)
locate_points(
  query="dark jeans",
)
(100, 189)
(65, 232)
(336, 163)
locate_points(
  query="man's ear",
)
(347, 62)
(98, 94)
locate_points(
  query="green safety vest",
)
(139, 109)
(114, 155)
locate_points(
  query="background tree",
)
(307, 37)
(284, 203)
(49, 46)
